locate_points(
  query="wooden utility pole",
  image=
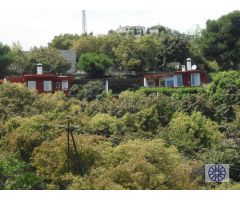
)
(69, 129)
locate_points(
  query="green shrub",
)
(94, 64)
(192, 133)
(91, 90)
(170, 91)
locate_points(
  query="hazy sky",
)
(36, 22)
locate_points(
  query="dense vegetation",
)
(152, 138)
(212, 49)
(136, 141)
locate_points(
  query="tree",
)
(94, 64)
(222, 81)
(87, 44)
(31, 132)
(19, 60)
(220, 41)
(5, 59)
(192, 133)
(172, 48)
(165, 106)
(140, 165)
(224, 91)
(50, 159)
(102, 124)
(50, 58)
(91, 90)
(228, 152)
(63, 41)
(127, 55)
(190, 103)
(147, 46)
(15, 174)
(14, 100)
(109, 42)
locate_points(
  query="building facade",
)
(186, 77)
(44, 83)
(132, 30)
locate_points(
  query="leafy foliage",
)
(192, 133)
(94, 64)
(89, 91)
(63, 41)
(14, 99)
(127, 55)
(5, 59)
(135, 141)
(170, 91)
(142, 165)
(220, 40)
(50, 58)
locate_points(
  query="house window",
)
(150, 83)
(162, 82)
(169, 82)
(47, 86)
(58, 85)
(64, 85)
(31, 85)
(195, 79)
(178, 82)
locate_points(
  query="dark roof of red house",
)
(38, 77)
(167, 74)
(158, 75)
(48, 76)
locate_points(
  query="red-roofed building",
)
(44, 82)
(180, 78)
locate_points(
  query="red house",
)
(44, 82)
(180, 78)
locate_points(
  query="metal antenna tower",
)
(84, 22)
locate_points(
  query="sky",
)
(36, 22)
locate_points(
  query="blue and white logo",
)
(217, 173)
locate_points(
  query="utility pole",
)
(84, 22)
(69, 129)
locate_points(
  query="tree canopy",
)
(5, 59)
(94, 64)
(63, 41)
(135, 141)
(220, 41)
(50, 58)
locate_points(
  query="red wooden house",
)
(44, 82)
(180, 78)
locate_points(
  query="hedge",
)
(170, 91)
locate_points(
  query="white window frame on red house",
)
(65, 85)
(32, 85)
(177, 80)
(47, 86)
(195, 79)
